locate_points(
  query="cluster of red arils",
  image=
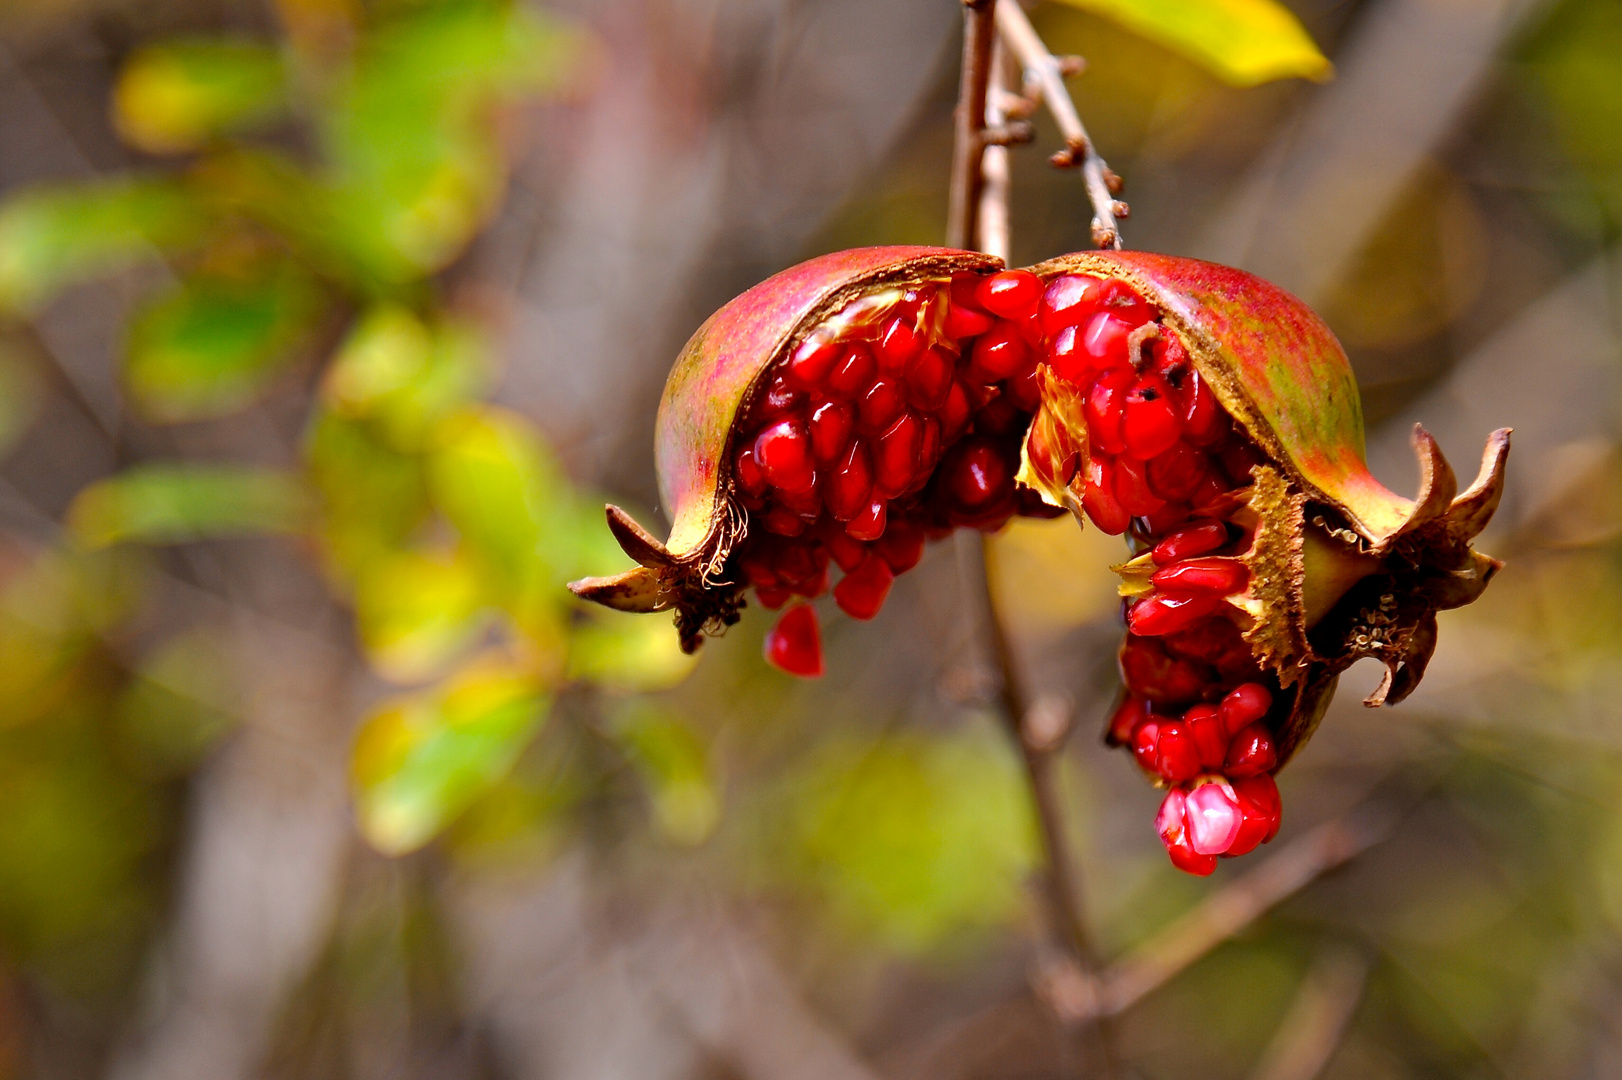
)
(896, 421)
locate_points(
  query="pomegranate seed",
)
(965, 322)
(1146, 742)
(1210, 640)
(955, 413)
(1168, 517)
(898, 343)
(783, 522)
(896, 455)
(850, 488)
(901, 546)
(751, 478)
(772, 597)
(1105, 408)
(1251, 752)
(781, 398)
(1189, 861)
(1245, 705)
(1176, 473)
(964, 290)
(831, 426)
(813, 586)
(1212, 815)
(1132, 712)
(784, 452)
(1147, 670)
(852, 374)
(813, 361)
(929, 452)
(846, 552)
(1170, 822)
(1098, 499)
(1012, 294)
(977, 474)
(1118, 298)
(929, 379)
(794, 645)
(1238, 458)
(998, 417)
(1213, 575)
(1149, 426)
(860, 593)
(1172, 825)
(1261, 792)
(1253, 825)
(757, 569)
(1069, 361)
(1167, 613)
(807, 504)
(1204, 422)
(1132, 489)
(1068, 300)
(1103, 339)
(1025, 390)
(998, 353)
(881, 405)
(1204, 726)
(1176, 757)
(869, 524)
(1195, 538)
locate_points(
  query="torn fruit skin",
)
(1206, 413)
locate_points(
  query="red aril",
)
(1146, 742)
(998, 353)
(1176, 473)
(1124, 723)
(897, 454)
(1149, 427)
(1011, 294)
(899, 342)
(1167, 613)
(1099, 501)
(794, 645)
(860, 593)
(870, 523)
(1067, 301)
(1104, 340)
(813, 361)
(781, 398)
(1106, 406)
(751, 477)
(831, 425)
(1215, 574)
(1212, 815)
(1250, 752)
(955, 413)
(929, 379)
(880, 405)
(1147, 670)
(901, 546)
(850, 488)
(1132, 489)
(1176, 757)
(852, 373)
(977, 474)
(1204, 726)
(783, 451)
(1245, 705)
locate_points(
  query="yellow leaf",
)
(1242, 42)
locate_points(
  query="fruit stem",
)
(993, 234)
(1046, 73)
(969, 141)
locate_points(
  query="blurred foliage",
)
(1242, 42)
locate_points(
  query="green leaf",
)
(1575, 61)
(1243, 42)
(421, 761)
(54, 237)
(217, 342)
(179, 95)
(404, 374)
(416, 611)
(173, 503)
(673, 763)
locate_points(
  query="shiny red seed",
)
(929, 450)
(1238, 457)
(898, 343)
(1069, 361)
(1149, 425)
(831, 425)
(1145, 741)
(1171, 824)
(1104, 340)
(807, 504)
(1211, 495)
(966, 322)
(1204, 726)
(1025, 391)
(1149, 671)
(1106, 403)
(964, 290)
(1192, 540)
(1209, 640)
(860, 593)
(1012, 294)
(869, 524)
(1213, 816)
(751, 478)
(1133, 711)
(878, 408)
(998, 353)
(1185, 858)
(1167, 613)
(1251, 752)
(1175, 474)
(849, 489)
(1118, 298)
(783, 451)
(794, 645)
(896, 455)
(846, 552)
(783, 521)
(929, 379)
(1167, 518)
(781, 398)
(1132, 488)
(772, 597)
(1259, 795)
(1068, 300)
(1176, 758)
(955, 413)
(977, 474)
(1204, 421)
(1245, 705)
(1000, 416)
(901, 546)
(852, 373)
(1211, 575)
(813, 361)
(1098, 498)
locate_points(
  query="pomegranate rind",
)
(711, 385)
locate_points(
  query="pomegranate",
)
(845, 411)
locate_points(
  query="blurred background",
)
(326, 328)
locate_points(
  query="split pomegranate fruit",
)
(850, 409)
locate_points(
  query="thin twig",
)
(992, 234)
(1045, 72)
(1316, 1022)
(969, 145)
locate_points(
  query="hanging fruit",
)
(850, 408)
